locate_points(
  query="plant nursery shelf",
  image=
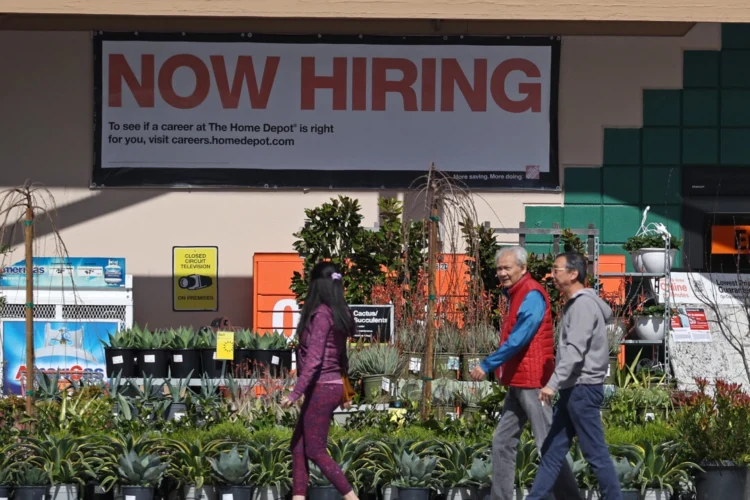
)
(637, 341)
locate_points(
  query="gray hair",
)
(519, 252)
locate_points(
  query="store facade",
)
(635, 113)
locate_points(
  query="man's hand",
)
(477, 373)
(546, 395)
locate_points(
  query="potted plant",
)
(153, 352)
(647, 252)
(345, 452)
(662, 473)
(7, 459)
(454, 468)
(617, 330)
(244, 352)
(479, 341)
(444, 398)
(271, 353)
(272, 473)
(715, 427)
(32, 483)
(232, 470)
(448, 342)
(66, 461)
(649, 322)
(184, 358)
(190, 466)
(527, 459)
(377, 365)
(628, 473)
(206, 345)
(411, 341)
(121, 353)
(417, 478)
(178, 397)
(470, 394)
(480, 474)
(139, 474)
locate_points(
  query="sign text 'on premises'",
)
(351, 80)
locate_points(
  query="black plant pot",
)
(5, 491)
(30, 492)
(236, 492)
(138, 492)
(184, 361)
(176, 411)
(121, 361)
(212, 367)
(413, 494)
(273, 362)
(244, 361)
(324, 493)
(153, 362)
(726, 482)
(93, 491)
(631, 495)
(484, 493)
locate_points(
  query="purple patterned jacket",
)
(319, 355)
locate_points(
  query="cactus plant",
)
(231, 467)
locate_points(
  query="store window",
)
(727, 242)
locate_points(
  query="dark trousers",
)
(577, 414)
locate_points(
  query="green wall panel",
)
(700, 108)
(735, 36)
(580, 216)
(661, 108)
(700, 68)
(735, 108)
(622, 146)
(735, 68)
(583, 185)
(619, 222)
(542, 217)
(621, 185)
(700, 146)
(616, 249)
(735, 146)
(661, 185)
(661, 146)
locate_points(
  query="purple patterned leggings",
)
(311, 437)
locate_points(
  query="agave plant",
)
(244, 339)
(232, 467)
(123, 339)
(48, 387)
(376, 359)
(31, 475)
(140, 469)
(473, 392)
(65, 459)
(417, 472)
(273, 340)
(480, 472)
(382, 458)
(7, 461)
(660, 467)
(182, 338)
(272, 461)
(346, 453)
(455, 463)
(206, 339)
(116, 446)
(526, 461)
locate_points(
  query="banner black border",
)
(314, 179)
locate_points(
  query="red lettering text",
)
(533, 91)
(381, 85)
(244, 72)
(311, 82)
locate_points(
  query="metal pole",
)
(29, 236)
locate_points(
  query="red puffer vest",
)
(532, 367)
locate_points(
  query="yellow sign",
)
(195, 278)
(225, 345)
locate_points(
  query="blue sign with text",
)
(54, 272)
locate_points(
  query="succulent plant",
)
(140, 470)
(231, 467)
(416, 471)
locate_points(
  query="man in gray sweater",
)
(580, 370)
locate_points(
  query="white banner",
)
(481, 112)
(727, 289)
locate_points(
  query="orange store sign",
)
(730, 240)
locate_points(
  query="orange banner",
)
(730, 240)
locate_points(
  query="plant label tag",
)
(225, 345)
(649, 417)
(294, 356)
(178, 416)
(473, 363)
(149, 358)
(227, 496)
(214, 355)
(177, 358)
(274, 360)
(609, 369)
(415, 364)
(129, 497)
(294, 366)
(117, 360)
(451, 415)
(99, 489)
(453, 363)
(385, 384)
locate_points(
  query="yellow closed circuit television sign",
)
(195, 278)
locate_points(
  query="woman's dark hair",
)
(326, 287)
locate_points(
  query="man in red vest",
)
(524, 363)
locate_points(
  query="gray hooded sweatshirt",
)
(583, 347)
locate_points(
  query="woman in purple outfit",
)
(324, 326)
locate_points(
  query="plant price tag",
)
(225, 345)
(415, 364)
(385, 384)
(177, 358)
(274, 360)
(453, 363)
(117, 360)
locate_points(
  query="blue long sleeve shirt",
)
(530, 316)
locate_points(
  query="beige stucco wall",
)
(46, 117)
